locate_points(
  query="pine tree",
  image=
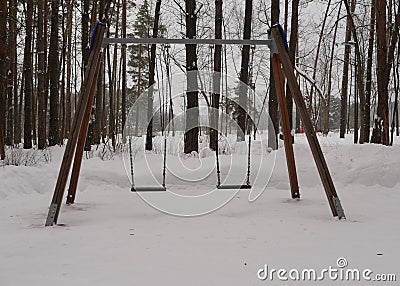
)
(139, 58)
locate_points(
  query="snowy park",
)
(111, 236)
(171, 142)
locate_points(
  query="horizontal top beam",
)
(107, 41)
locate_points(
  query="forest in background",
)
(346, 55)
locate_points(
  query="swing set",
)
(280, 65)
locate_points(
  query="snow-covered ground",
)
(112, 237)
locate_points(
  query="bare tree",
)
(53, 76)
(41, 70)
(28, 74)
(152, 67)
(331, 59)
(316, 60)
(192, 117)
(3, 69)
(85, 33)
(3, 64)
(13, 78)
(368, 83)
(70, 7)
(11, 75)
(294, 27)
(123, 95)
(216, 76)
(382, 110)
(244, 73)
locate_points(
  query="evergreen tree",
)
(139, 58)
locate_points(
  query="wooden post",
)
(2, 147)
(287, 137)
(319, 158)
(83, 101)
(81, 141)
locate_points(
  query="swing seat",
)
(232, 187)
(148, 189)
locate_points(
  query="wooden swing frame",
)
(280, 63)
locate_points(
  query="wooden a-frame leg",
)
(287, 137)
(83, 100)
(319, 158)
(73, 184)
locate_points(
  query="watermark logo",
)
(340, 272)
(191, 178)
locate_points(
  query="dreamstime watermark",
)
(195, 172)
(340, 272)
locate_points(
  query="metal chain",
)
(165, 158)
(167, 62)
(248, 160)
(217, 159)
(131, 161)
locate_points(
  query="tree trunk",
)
(359, 76)
(397, 75)
(152, 67)
(62, 113)
(294, 27)
(93, 17)
(321, 35)
(3, 72)
(41, 68)
(244, 73)
(286, 16)
(328, 97)
(46, 44)
(123, 95)
(19, 104)
(192, 116)
(113, 84)
(273, 98)
(34, 80)
(138, 91)
(395, 114)
(368, 83)
(28, 94)
(70, 6)
(393, 36)
(216, 77)
(85, 34)
(345, 78)
(54, 76)
(12, 47)
(381, 72)
(11, 72)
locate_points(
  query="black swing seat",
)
(148, 189)
(232, 187)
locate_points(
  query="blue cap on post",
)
(93, 37)
(283, 35)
